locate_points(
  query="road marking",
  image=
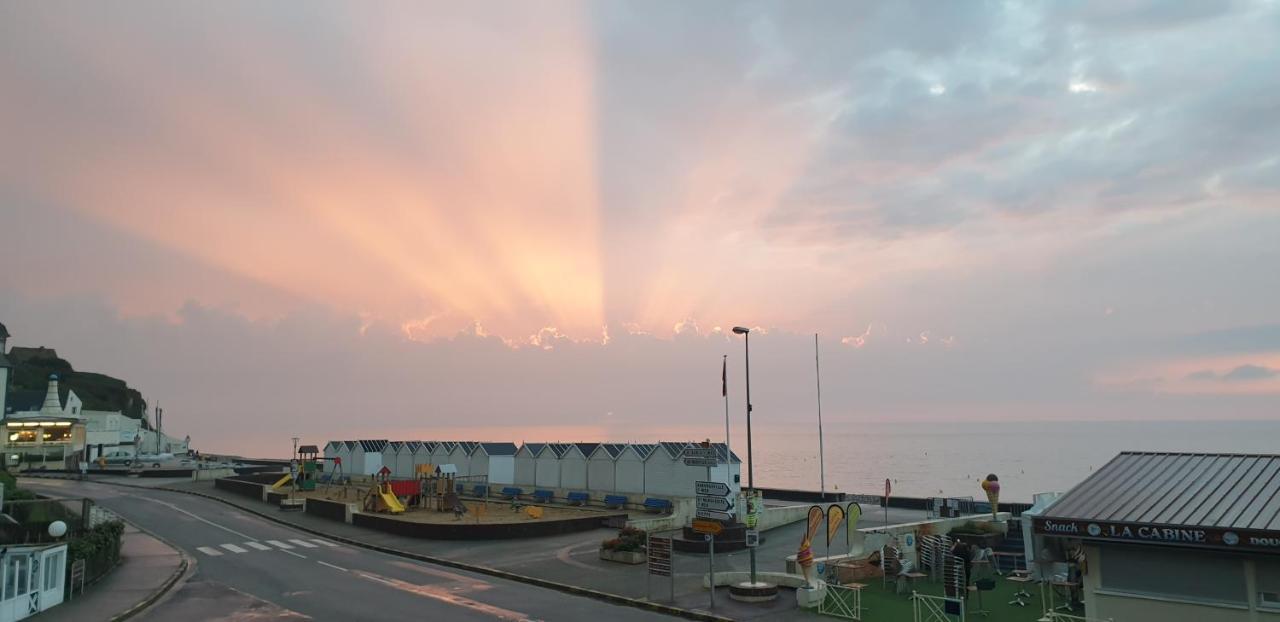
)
(445, 595)
(295, 554)
(208, 550)
(323, 542)
(199, 518)
(302, 543)
(258, 545)
(235, 549)
(331, 566)
(468, 583)
(279, 544)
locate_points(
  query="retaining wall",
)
(240, 487)
(333, 510)
(472, 531)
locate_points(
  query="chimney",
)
(52, 403)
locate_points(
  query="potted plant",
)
(980, 534)
(627, 548)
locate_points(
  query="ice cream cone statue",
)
(992, 486)
(805, 556)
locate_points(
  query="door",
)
(53, 567)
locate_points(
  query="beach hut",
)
(422, 454)
(366, 457)
(460, 456)
(497, 460)
(389, 454)
(730, 469)
(573, 466)
(525, 463)
(404, 459)
(548, 465)
(601, 465)
(331, 449)
(663, 469)
(629, 473)
(440, 453)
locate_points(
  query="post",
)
(728, 449)
(751, 482)
(711, 551)
(822, 462)
(648, 572)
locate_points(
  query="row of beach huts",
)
(622, 468)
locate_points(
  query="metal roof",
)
(428, 446)
(643, 449)
(350, 444)
(412, 446)
(534, 448)
(613, 450)
(372, 445)
(674, 450)
(499, 449)
(1235, 491)
(308, 449)
(394, 446)
(559, 449)
(468, 447)
(587, 448)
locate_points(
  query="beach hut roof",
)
(559, 449)
(643, 449)
(370, 446)
(612, 450)
(468, 447)
(535, 448)
(587, 448)
(498, 449)
(350, 445)
(394, 446)
(674, 450)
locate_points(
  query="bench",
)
(542, 496)
(657, 505)
(579, 498)
(511, 492)
(615, 501)
(460, 488)
(480, 490)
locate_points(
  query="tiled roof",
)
(1230, 491)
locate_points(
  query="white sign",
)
(703, 462)
(714, 515)
(753, 538)
(719, 489)
(714, 503)
(699, 452)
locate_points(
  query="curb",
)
(164, 588)
(448, 563)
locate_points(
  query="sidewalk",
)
(147, 569)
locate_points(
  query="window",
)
(10, 573)
(1268, 575)
(1174, 573)
(53, 571)
(24, 575)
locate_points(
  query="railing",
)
(926, 608)
(842, 602)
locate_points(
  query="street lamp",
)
(751, 482)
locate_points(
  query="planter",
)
(623, 557)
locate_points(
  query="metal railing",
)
(842, 601)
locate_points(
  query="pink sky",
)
(428, 216)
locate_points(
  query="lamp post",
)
(751, 483)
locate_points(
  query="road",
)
(248, 568)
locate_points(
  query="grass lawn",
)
(881, 604)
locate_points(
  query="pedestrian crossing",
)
(236, 548)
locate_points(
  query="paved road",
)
(247, 568)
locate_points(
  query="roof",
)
(674, 450)
(534, 448)
(559, 449)
(447, 446)
(587, 448)
(19, 401)
(4, 332)
(308, 449)
(394, 446)
(499, 449)
(643, 449)
(350, 444)
(1194, 499)
(412, 446)
(372, 445)
(468, 447)
(612, 450)
(429, 446)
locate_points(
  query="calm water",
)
(926, 459)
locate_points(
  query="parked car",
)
(118, 458)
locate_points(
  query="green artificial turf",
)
(882, 604)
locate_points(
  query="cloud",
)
(1240, 373)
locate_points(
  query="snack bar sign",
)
(1239, 539)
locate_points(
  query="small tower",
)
(52, 403)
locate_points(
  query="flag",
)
(724, 377)
(835, 516)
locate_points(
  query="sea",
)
(950, 459)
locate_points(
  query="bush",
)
(99, 547)
(629, 539)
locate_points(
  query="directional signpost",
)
(713, 505)
(709, 527)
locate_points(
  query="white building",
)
(573, 465)
(366, 457)
(404, 459)
(602, 466)
(460, 456)
(629, 472)
(547, 466)
(497, 460)
(526, 464)
(441, 452)
(422, 453)
(389, 454)
(33, 579)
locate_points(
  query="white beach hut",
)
(404, 459)
(497, 460)
(460, 456)
(422, 454)
(601, 466)
(548, 465)
(629, 473)
(366, 457)
(573, 466)
(526, 464)
(663, 470)
(331, 450)
(440, 453)
(389, 454)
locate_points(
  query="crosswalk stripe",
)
(279, 544)
(258, 545)
(235, 549)
(302, 543)
(208, 550)
(323, 542)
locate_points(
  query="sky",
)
(538, 221)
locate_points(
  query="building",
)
(54, 431)
(366, 457)
(1171, 536)
(497, 461)
(602, 466)
(526, 463)
(34, 578)
(628, 472)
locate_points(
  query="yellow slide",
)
(393, 504)
(284, 480)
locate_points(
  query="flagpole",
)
(822, 463)
(725, 391)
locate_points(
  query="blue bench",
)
(511, 492)
(460, 488)
(657, 505)
(579, 498)
(615, 501)
(542, 496)
(480, 490)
